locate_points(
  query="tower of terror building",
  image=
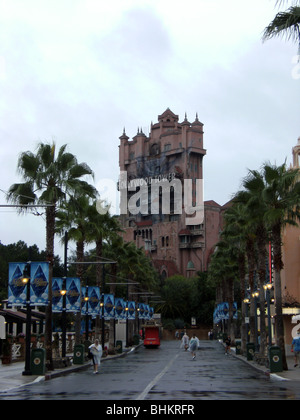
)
(161, 184)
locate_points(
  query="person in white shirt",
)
(96, 350)
(194, 344)
(185, 341)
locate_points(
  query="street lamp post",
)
(64, 295)
(246, 321)
(126, 314)
(26, 280)
(268, 287)
(63, 292)
(126, 309)
(86, 299)
(255, 295)
(103, 320)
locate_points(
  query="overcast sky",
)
(79, 71)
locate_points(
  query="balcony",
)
(191, 245)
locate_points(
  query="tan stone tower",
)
(172, 151)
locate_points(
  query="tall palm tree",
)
(223, 269)
(285, 24)
(74, 216)
(50, 176)
(240, 224)
(103, 228)
(252, 198)
(282, 198)
(235, 234)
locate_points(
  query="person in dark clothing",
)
(227, 345)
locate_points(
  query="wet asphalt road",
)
(166, 373)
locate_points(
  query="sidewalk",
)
(11, 375)
(293, 374)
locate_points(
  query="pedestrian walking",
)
(96, 350)
(296, 348)
(185, 342)
(194, 342)
(227, 345)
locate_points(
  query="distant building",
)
(172, 153)
(290, 275)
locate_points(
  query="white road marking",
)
(148, 388)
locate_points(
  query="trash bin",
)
(275, 359)
(38, 361)
(238, 346)
(119, 346)
(78, 358)
(250, 351)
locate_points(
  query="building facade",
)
(180, 233)
(290, 275)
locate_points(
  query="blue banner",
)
(94, 301)
(235, 310)
(131, 310)
(222, 312)
(39, 280)
(146, 312)
(57, 299)
(92, 306)
(16, 288)
(119, 308)
(39, 283)
(109, 310)
(73, 302)
(141, 310)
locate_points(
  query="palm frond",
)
(285, 24)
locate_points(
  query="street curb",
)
(259, 368)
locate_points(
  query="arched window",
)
(154, 149)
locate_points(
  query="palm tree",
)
(252, 198)
(103, 228)
(240, 226)
(235, 234)
(74, 216)
(282, 199)
(224, 270)
(286, 24)
(49, 179)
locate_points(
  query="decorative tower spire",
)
(124, 136)
(185, 122)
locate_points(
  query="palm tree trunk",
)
(242, 275)
(251, 268)
(111, 343)
(99, 247)
(50, 230)
(79, 273)
(278, 266)
(262, 256)
(230, 299)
